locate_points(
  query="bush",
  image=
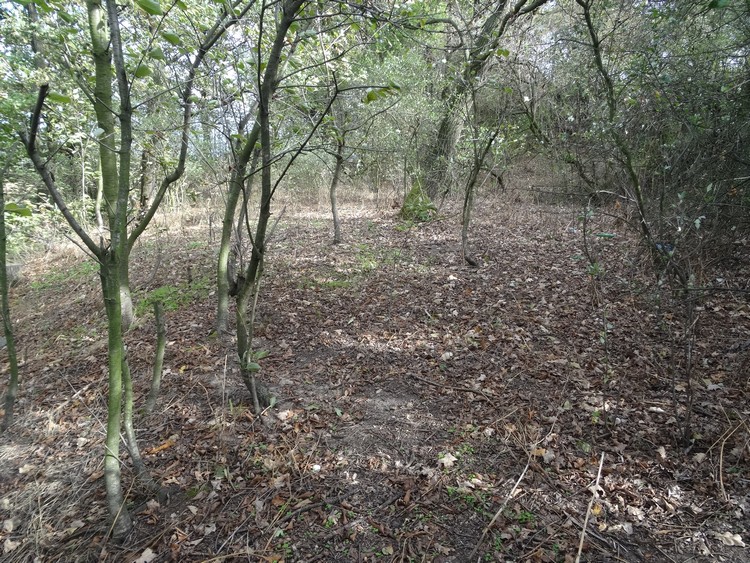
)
(417, 205)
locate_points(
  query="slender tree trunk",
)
(143, 181)
(480, 154)
(249, 283)
(12, 392)
(161, 341)
(236, 182)
(110, 269)
(617, 137)
(332, 192)
(129, 429)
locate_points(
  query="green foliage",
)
(417, 206)
(174, 297)
(56, 278)
(21, 210)
(151, 7)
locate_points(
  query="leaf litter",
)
(426, 411)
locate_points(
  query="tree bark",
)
(332, 192)
(161, 342)
(12, 392)
(236, 183)
(110, 269)
(248, 283)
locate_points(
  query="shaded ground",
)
(427, 411)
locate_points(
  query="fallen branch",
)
(454, 388)
(594, 495)
(502, 507)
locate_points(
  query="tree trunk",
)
(248, 284)
(110, 269)
(161, 341)
(436, 166)
(334, 185)
(12, 392)
(480, 154)
(236, 183)
(482, 50)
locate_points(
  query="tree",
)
(478, 43)
(113, 71)
(10, 342)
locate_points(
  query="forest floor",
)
(427, 411)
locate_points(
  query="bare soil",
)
(427, 410)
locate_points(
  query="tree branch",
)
(29, 142)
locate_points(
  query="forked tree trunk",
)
(248, 282)
(236, 183)
(113, 255)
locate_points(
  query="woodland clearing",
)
(427, 411)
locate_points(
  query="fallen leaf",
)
(146, 557)
(10, 545)
(387, 550)
(728, 538)
(442, 549)
(447, 461)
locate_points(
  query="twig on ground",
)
(594, 496)
(454, 388)
(502, 507)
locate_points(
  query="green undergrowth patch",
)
(417, 207)
(365, 261)
(174, 297)
(78, 272)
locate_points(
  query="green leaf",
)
(181, 5)
(718, 4)
(371, 96)
(156, 53)
(66, 17)
(173, 38)
(142, 71)
(151, 7)
(253, 367)
(43, 6)
(502, 53)
(58, 98)
(260, 354)
(21, 210)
